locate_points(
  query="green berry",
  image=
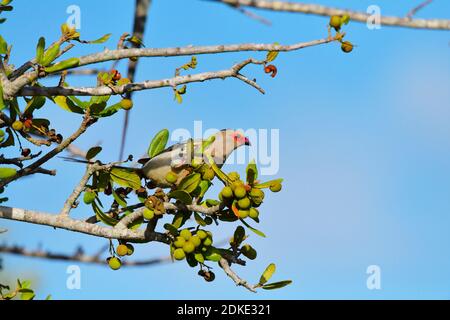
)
(202, 234)
(188, 247)
(208, 220)
(171, 177)
(244, 203)
(253, 213)
(243, 214)
(227, 192)
(207, 242)
(186, 234)
(126, 104)
(122, 250)
(179, 254)
(17, 125)
(240, 192)
(195, 240)
(276, 187)
(208, 174)
(179, 242)
(234, 176)
(148, 214)
(114, 263)
(256, 193)
(336, 22)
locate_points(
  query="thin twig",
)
(417, 8)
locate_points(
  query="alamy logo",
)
(374, 279)
(73, 281)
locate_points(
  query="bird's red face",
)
(240, 139)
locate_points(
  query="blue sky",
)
(364, 151)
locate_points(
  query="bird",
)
(178, 157)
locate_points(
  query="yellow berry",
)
(171, 177)
(195, 240)
(207, 242)
(240, 192)
(243, 214)
(253, 213)
(126, 104)
(244, 203)
(227, 192)
(179, 254)
(276, 187)
(336, 22)
(186, 234)
(148, 214)
(188, 247)
(208, 174)
(114, 263)
(17, 125)
(179, 242)
(202, 234)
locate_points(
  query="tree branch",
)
(417, 8)
(230, 273)
(67, 223)
(315, 9)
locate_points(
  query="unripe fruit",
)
(335, 22)
(202, 234)
(171, 177)
(275, 187)
(122, 250)
(179, 254)
(347, 46)
(179, 242)
(227, 192)
(186, 234)
(148, 214)
(114, 263)
(17, 125)
(248, 251)
(188, 247)
(126, 104)
(28, 123)
(240, 192)
(207, 242)
(243, 214)
(244, 203)
(208, 220)
(256, 193)
(234, 176)
(130, 249)
(195, 240)
(208, 174)
(253, 213)
(89, 197)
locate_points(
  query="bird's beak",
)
(247, 142)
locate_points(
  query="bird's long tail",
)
(70, 159)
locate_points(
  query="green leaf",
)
(49, 297)
(252, 173)
(181, 195)
(178, 220)
(121, 201)
(63, 65)
(50, 54)
(101, 216)
(126, 178)
(9, 141)
(213, 254)
(93, 152)
(67, 104)
(267, 274)
(2, 102)
(199, 220)
(272, 55)
(219, 173)
(267, 184)
(276, 285)
(259, 233)
(33, 104)
(3, 46)
(101, 40)
(109, 111)
(190, 183)
(6, 173)
(171, 229)
(40, 50)
(158, 143)
(26, 294)
(239, 235)
(199, 257)
(204, 186)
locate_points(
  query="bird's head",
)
(226, 141)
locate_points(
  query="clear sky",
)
(364, 151)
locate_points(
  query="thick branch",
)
(67, 223)
(315, 9)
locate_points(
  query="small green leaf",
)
(239, 235)
(268, 184)
(272, 55)
(267, 274)
(213, 255)
(171, 229)
(190, 183)
(126, 178)
(67, 104)
(178, 220)
(40, 50)
(181, 195)
(3, 46)
(93, 152)
(49, 297)
(26, 294)
(219, 173)
(103, 217)
(6, 173)
(63, 65)
(50, 54)
(199, 220)
(276, 285)
(178, 97)
(199, 257)
(158, 143)
(109, 111)
(259, 233)
(101, 40)
(121, 201)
